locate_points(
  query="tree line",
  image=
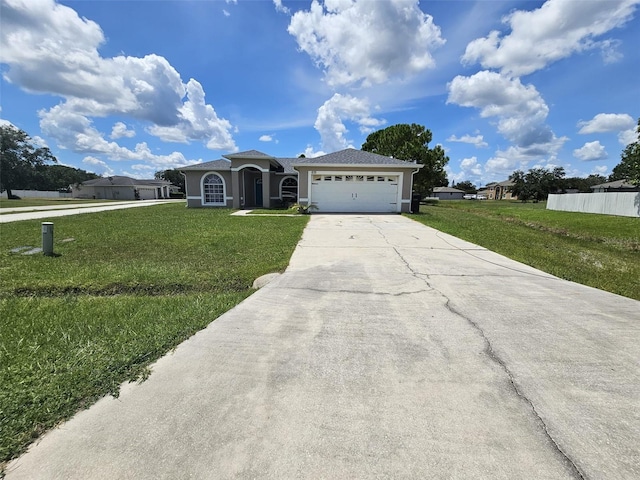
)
(24, 166)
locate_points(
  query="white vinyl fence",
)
(626, 204)
(36, 194)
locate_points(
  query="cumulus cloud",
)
(331, 115)
(98, 166)
(599, 170)
(265, 138)
(120, 130)
(477, 140)
(49, 49)
(554, 31)
(281, 8)
(75, 132)
(366, 42)
(590, 151)
(520, 109)
(628, 136)
(607, 122)
(309, 152)
(471, 167)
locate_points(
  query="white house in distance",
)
(349, 180)
(122, 188)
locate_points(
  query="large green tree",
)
(19, 158)
(411, 143)
(174, 176)
(629, 166)
(537, 183)
(466, 186)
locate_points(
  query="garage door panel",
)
(355, 193)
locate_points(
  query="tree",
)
(19, 159)
(411, 143)
(629, 166)
(466, 186)
(537, 183)
(174, 176)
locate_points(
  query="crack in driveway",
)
(491, 353)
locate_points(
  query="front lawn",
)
(126, 288)
(602, 251)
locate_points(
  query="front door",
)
(258, 191)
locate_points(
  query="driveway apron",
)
(386, 350)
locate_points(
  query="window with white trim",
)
(213, 189)
(289, 189)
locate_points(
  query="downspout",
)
(186, 188)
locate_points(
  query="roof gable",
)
(249, 154)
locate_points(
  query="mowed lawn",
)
(130, 286)
(602, 251)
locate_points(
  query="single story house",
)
(121, 188)
(616, 186)
(447, 193)
(349, 180)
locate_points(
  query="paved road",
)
(387, 350)
(51, 211)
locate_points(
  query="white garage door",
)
(355, 193)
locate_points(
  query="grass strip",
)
(596, 250)
(131, 286)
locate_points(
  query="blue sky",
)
(132, 87)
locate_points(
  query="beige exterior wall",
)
(193, 185)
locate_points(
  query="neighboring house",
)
(346, 181)
(617, 186)
(447, 193)
(499, 191)
(122, 188)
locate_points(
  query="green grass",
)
(601, 251)
(131, 286)
(44, 202)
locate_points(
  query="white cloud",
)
(628, 136)
(120, 130)
(310, 153)
(281, 8)
(471, 167)
(520, 109)
(477, 140)
(76, 132)
(590, 151)
(599, 170)
(199, 121)
(265, 138)
(48, 48)
(554, 31)
(331, 115)
(226, 13)
(99, 167)
(366, 42)
(607, 122)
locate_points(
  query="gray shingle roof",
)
(287, 164)
(213, 165)
(616, 184)
(122, 181)
(446, 190)
(351, 156)
(248, 154)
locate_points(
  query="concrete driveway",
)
(51, 211)
(387, 350)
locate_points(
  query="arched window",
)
(289, 189)
(213, 190)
